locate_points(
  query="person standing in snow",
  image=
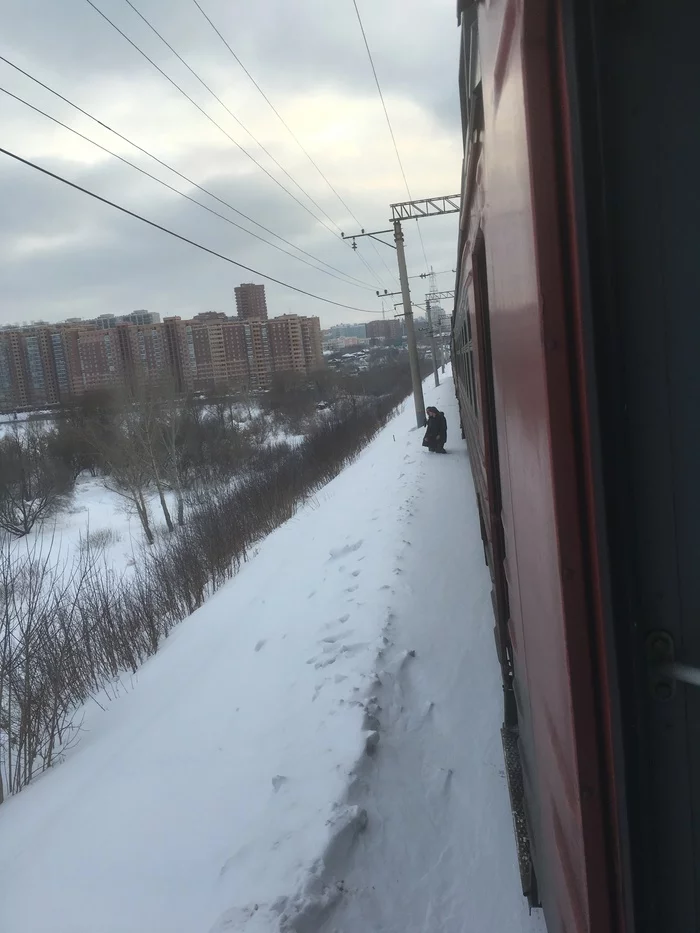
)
(436, 431)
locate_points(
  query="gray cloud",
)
(63, 254)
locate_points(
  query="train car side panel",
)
(531, 403)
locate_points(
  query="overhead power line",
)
(288, 129)
(388, 121)
(178, 236)
(242, 125)
(228, 110)
(250, 133)
(175, 171)
(182, 194)
(211, 119)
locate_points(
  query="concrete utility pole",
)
(433, 346)
(442, 345)
(411, 210)
(410, 329)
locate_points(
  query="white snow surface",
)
(285, 763)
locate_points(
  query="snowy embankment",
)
(228, 786)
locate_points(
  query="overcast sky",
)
(63, 254)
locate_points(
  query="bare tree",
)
(146, 429)
(128, 474)
(33, 484)
(170, 440)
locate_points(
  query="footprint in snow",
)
(352, 650)
(278, 780)
(356, 573)
(332, 639)
(261, 644)
(337, 553)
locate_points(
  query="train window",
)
(471, 373)
(483, 328)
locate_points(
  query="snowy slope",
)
(228, 789)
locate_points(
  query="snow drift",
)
(315, 748)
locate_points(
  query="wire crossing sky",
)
(295, 76)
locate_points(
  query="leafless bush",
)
(98, 541)
(69, 629)
(33, 484)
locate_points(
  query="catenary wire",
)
(228, 110)
(289, 130)
(178, 236)
(165, 184)
(245, 129)
(210, 118)
(175, 171)
(388, 121)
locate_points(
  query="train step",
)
(514, 775)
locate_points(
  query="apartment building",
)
(49, 365)
(251, 304)
(30, 364)
(391, 329)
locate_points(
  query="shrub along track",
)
(68, 631)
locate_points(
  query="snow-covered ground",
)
(99, 517)
(105, 517)
(237, 784)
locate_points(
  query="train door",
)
(499, 592)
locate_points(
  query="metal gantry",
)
(411, 210)
(426, 207)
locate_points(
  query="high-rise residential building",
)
(211, 316)
(287, 344)
(145, 348)
(313, 348)
(103, 363)
(180, 353)
(28, 368)
(134, 317)
(345, 330)
(385, 330)
(53, 364)
(140, 317)
(216, 354)
(251, 304)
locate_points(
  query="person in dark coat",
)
(436, 431)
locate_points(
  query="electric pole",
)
(442, 345)
(412, 210)
(433, 347)
(410, 329)
(435, 296)
(407, 311)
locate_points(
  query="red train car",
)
(576, 353)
